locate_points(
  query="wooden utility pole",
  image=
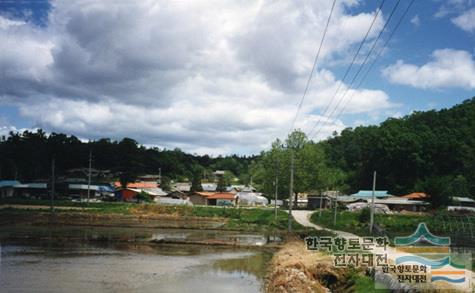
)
(371, 224)
(89, 176)
(291, 189)
(335, 212)
(52, 184)
(275, 200)
(320, 210)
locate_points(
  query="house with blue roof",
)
(7, 188)
(364, 194)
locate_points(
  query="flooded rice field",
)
(85, 259)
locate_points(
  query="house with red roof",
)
(212, 198)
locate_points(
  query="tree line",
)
(28, 156)
(430, 151)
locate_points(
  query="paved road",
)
(303, 218)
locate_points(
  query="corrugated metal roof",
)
(204, 193)
(369, 193)
(8, 183)
(416, 195)
(222, 195)
(138, 184)
(31, 185)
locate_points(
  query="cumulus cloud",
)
(212, 76)
(466, 20)
(461, 13)
(448, 68)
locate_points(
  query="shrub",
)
(365, 215)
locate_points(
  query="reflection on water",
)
(72, 265)
(117, 234)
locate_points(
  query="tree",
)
(438, 188)
(165, 184)
(221, 187)
(125, 178)
(196, 181)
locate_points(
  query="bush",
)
(365, 215)
(144, 197)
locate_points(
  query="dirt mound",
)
(296, 269)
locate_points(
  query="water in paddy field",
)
(55, 264)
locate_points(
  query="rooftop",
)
(138, 184)
(416, 195)
(369, 193)
(222, 195)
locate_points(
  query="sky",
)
(226, 77)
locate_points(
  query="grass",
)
(392, 225)
(251, 219)
(366, 284)
(247, 219)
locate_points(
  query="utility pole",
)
(276, 191)
(320, 210)
(160, 176)
(371, 224)
(291, 189)
(52, 184)
(335, 212)
(276, 182)
(89, 176)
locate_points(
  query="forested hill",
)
(28, 156)
(432, 151)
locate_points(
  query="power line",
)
(313, 67)
(362, 64)
(349, 67)
(374, 61)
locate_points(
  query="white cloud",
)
(451, 7)
(448, 68)
(416, 20)
(466, 20)
(214, 76)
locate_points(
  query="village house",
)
(414, 202)
(209, 186)
(462, 204)
(7, 188)
(177, 195)
(251, 199)
(134, 188)
(200, 198)
(317, 201)
(220, 199)
(149, 178)
(33, 190)
(95, 190)
(212, 198)
(181, 186)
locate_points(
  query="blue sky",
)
(222, 77)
